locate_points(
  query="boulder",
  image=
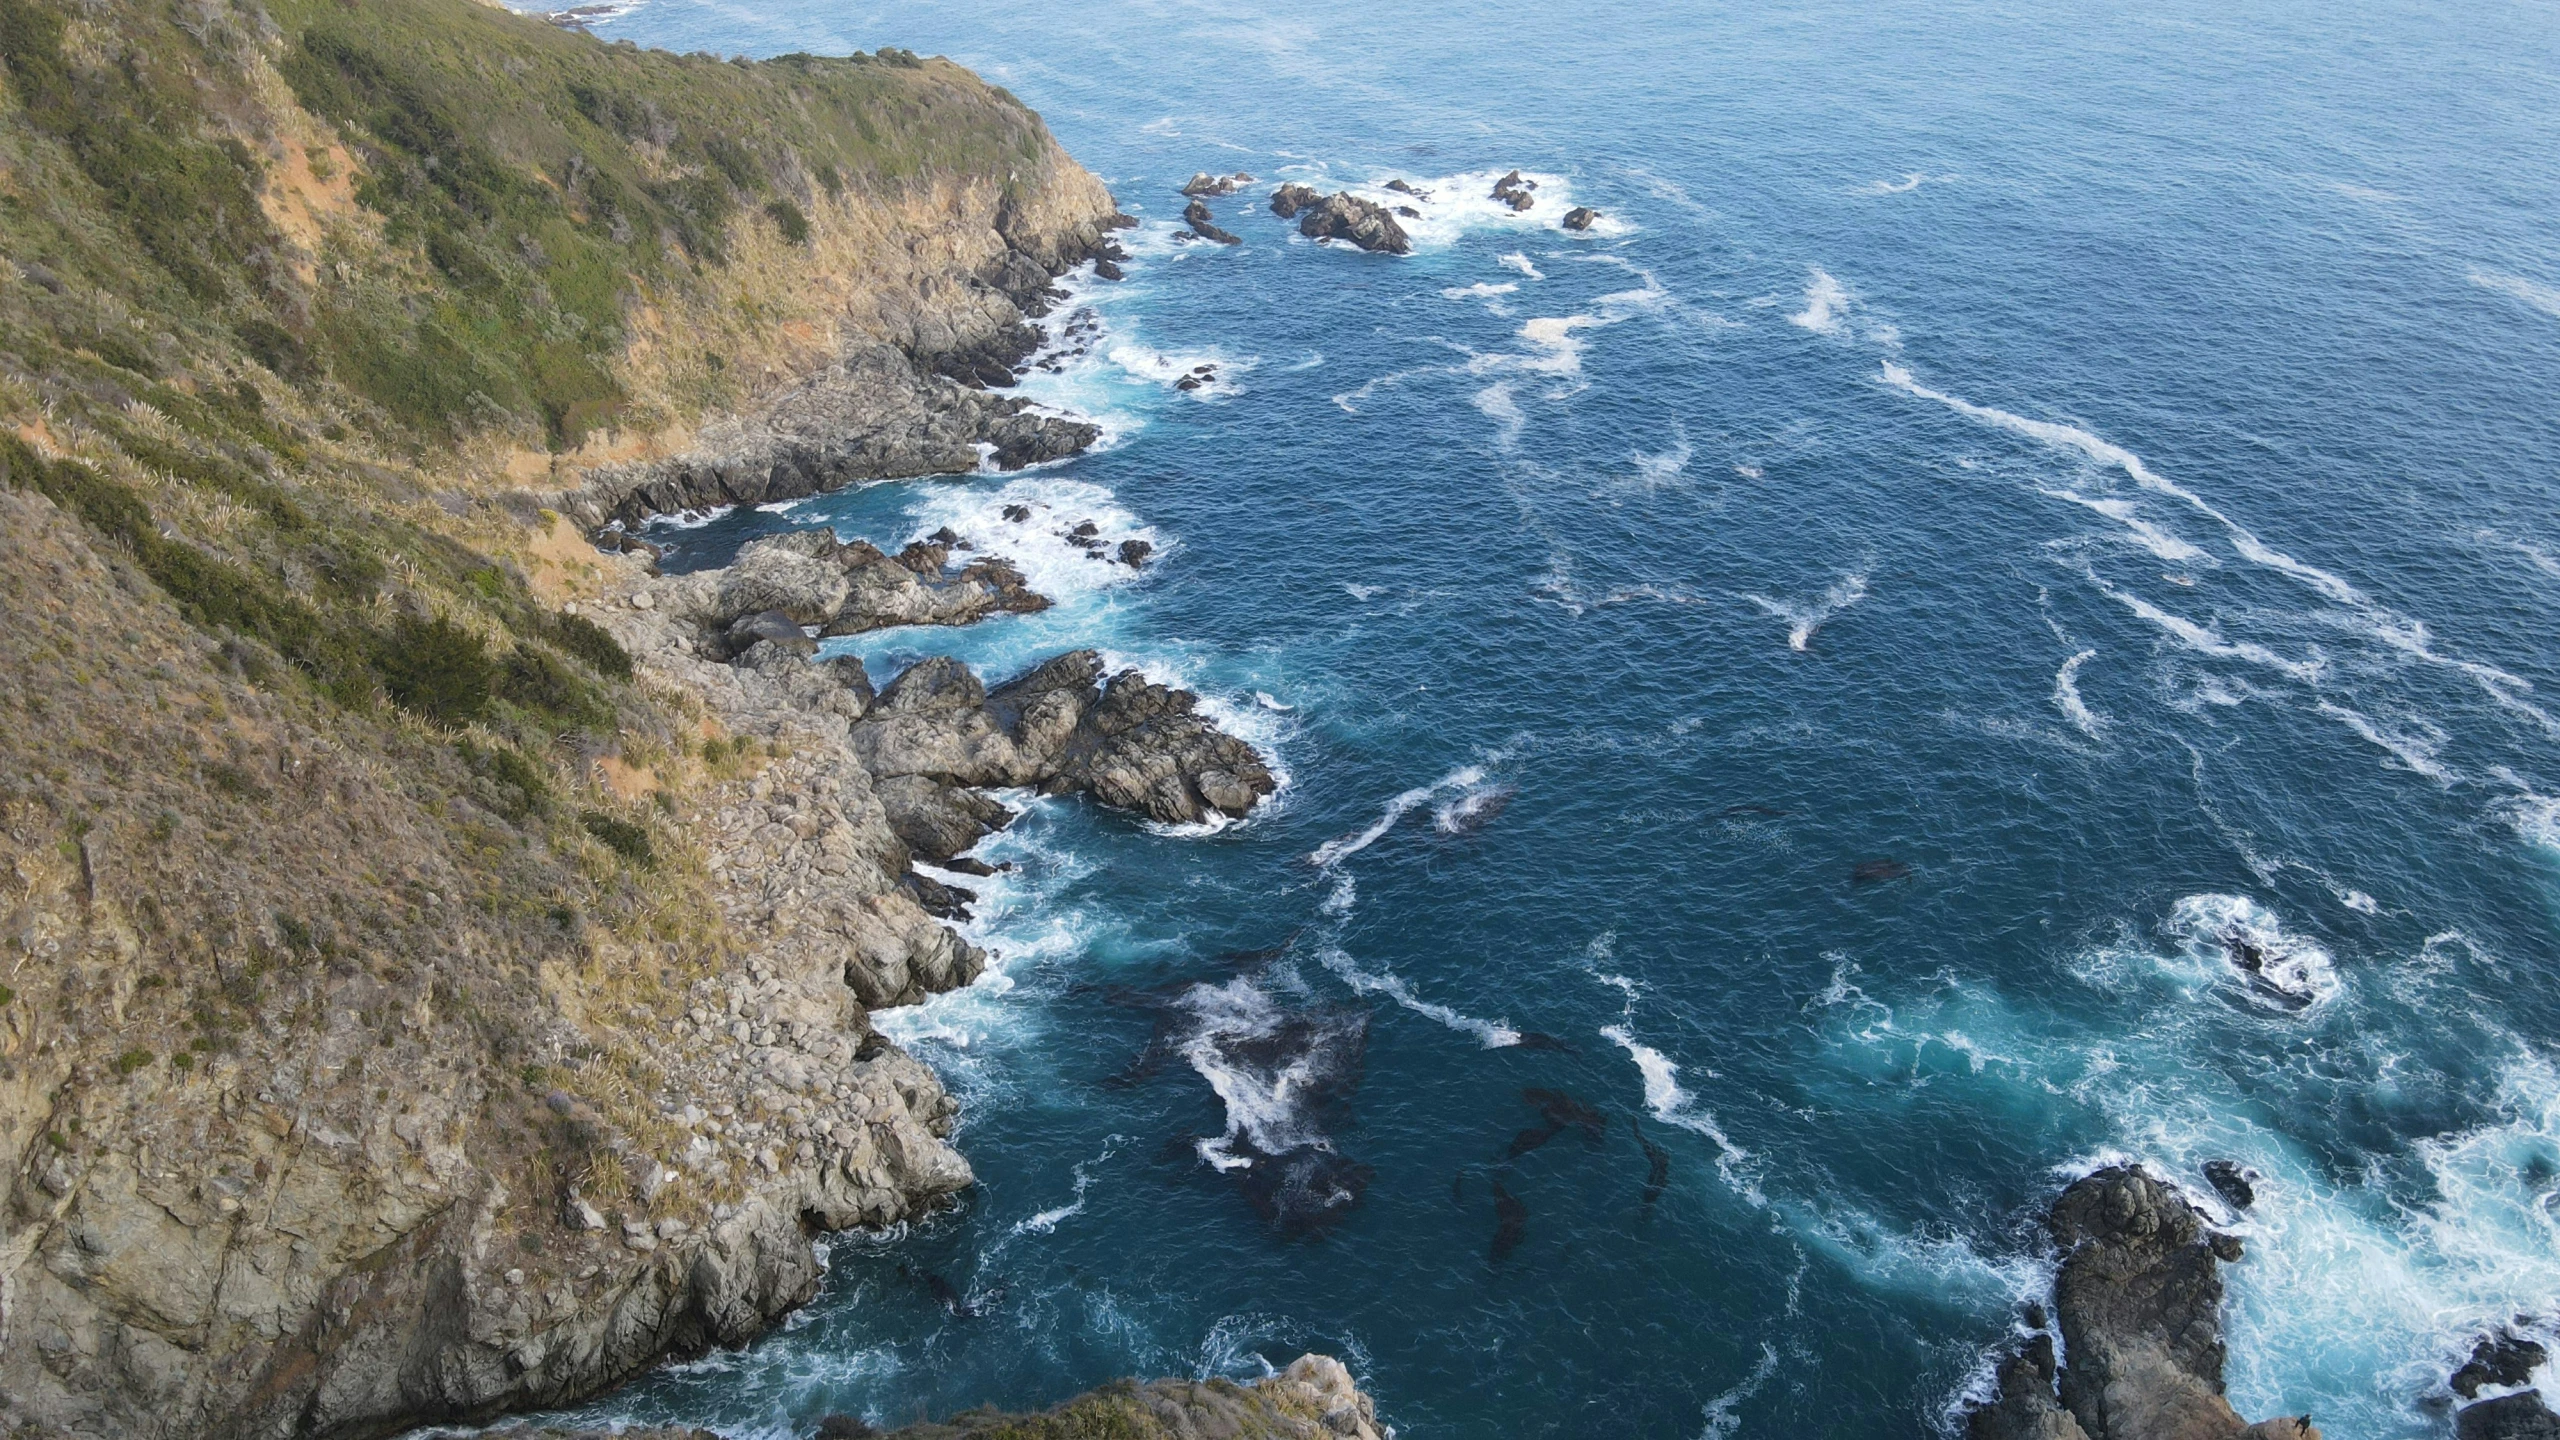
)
(1580, 217)
(1513, 190)
(1407, 187)
(2230, 1180)
(937, 821)
(1205, 183)
(1134, 553)
(2520, 1416)
(1289, 199)
(1362, 222)
(765, 626)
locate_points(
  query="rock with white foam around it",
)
(1130, 743)
(1289, 199)
(1364, 223)
(1580, 217)
(1513, 190)
(2139, 1300)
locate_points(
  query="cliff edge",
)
(414, 1004)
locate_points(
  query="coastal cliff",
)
(437, 971)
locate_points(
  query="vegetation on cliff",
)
(353, 890)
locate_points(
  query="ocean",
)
(1792, 704)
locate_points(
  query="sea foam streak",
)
(1672, 1105)
(1825, 301)
(2541, 297)
(1334, 852)
(1494, 1033)
(2066, 695)
(1805, 617)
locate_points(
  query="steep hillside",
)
(393, 1025)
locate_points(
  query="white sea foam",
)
(2205, 641)
(1805, 617)
(1334, 852)
(1672, 1105)
(1517, 261)
(2541, 297)
(1721, 1419)
(1039, 546)
(2216, 930)
(2066, 695)
(1481, 290)
(1494, 1034)
(1910, 181)
(2415, 747)
(1049, 1220)
(1266, 1064)
(1499, 406)
(2146, 533)
(1825, 301)
(1662, 467)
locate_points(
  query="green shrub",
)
(592, 643)
(623, 838)
(436, 668)
(132, 1060)
(794, 225)
(519, 786)
(7, 995)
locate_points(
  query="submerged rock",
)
(2139, 1298)
(1205, 183)
(1364, 223)
(1407, 187)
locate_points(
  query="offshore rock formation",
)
(1346, 216)
(1313, 1399)
(2139, 1301)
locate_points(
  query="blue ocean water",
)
(2009, 499)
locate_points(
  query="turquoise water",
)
(2094, 472)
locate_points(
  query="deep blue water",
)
(2147, 429)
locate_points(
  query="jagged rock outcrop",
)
(1289, 199)
(1205, 183)
(1203, 224)
(2503, 1360)
(1346, 216)
(1130, 743)
(2139, 1302)
(809, 577)
(1515, 190)
(1580, 217)
(1313, 1399)
(870, 415)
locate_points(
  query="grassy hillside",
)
(307, 764)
